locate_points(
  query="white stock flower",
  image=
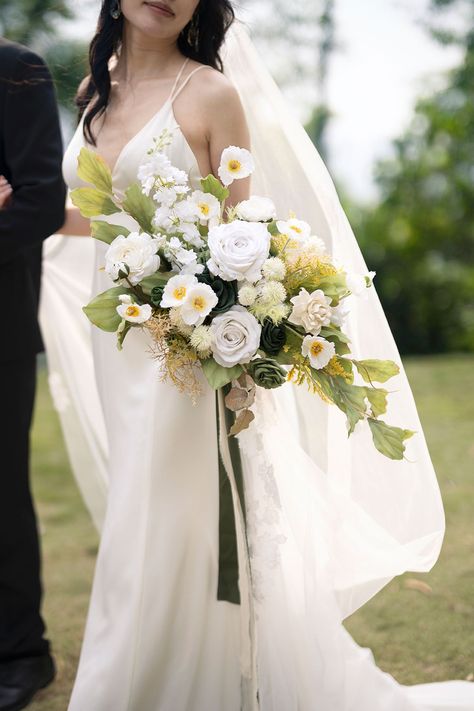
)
(238, 250)
(274, 268)
(318, 350)
(134, 313)
(256, 209)
(202, 338)
(294, 228)
(176, 290)
(206, 206)
(190, 233)
(199, 302)
(236, 337)
(312, 311)
(136, 253)
(247, 294)
(235, 163)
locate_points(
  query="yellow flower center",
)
(179, 293)
(133, 310)
(204, 207)
(234, 166)
(316, 348)
(199, 303)
(296, 229)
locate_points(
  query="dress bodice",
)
(134, 153)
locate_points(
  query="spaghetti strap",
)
(178, 77)
(176, 92)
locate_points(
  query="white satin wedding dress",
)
(156, 638)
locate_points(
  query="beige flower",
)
(312, 311)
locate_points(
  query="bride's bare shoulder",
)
(214, 87)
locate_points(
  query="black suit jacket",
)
(30, 159)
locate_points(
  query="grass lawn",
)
(415, 635)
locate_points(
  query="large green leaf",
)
(102, 310)
(378, 400)
(92, 202)
(351, 400)
(336, 336)
(218, 376)
(378, 371)
(389, 440)
(105, 232)
(94, 170)
(140, 207)
(214, 187)
(157, 279)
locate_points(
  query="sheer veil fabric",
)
(330, 521)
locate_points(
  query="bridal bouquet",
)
(246, 298)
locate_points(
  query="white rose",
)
(256, 209)
(238, 250)
(136, 253)
(236, 337)
(312, 311)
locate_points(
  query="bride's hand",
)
(6, 192)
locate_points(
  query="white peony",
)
(134, 313)
(274, 268)
(199, 302)
(256, 209)
(294, 228)
(238, 250)
(236, 337)
(176, 290)
(318, 350)
(235, 163)
(206, 206)
(135, 254)
(312, 311)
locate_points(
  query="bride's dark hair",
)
(201, 40)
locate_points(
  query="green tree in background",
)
(420, 238)
(24, 20)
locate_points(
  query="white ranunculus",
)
(256, 209)
(318, 350)
(206, 206)
(236, 337)
(176, 290)
(311, 310)
(235, 163)
(136, 253)
(238, 250)
(134, 313)
(199, 302)
(294, 228)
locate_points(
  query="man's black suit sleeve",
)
(33, 155)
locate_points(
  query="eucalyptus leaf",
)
(94, 170)
(378, 371)
(105, 232)
(140, 207)
(92, 202)
(102, 310)
(217, 376)
(389, 440)
(214, 187)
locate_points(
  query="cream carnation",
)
(312, 311)
(238, 250)
(236, 337)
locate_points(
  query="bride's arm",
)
(74, 224)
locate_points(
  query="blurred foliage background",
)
(419, 235)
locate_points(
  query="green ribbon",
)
(228, 576)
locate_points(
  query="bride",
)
(329, 521)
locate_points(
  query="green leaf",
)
(389, 440)
(140, 207)
(218, 376)
(378, 400)
(102, 310)
(214, 187)
(94, 170)
(351, 400)
(105, 232)
(127, 326)
(157, 279)
(336, 336)
(378, 371)
(92, 202)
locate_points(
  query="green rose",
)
(156, 295)
(226, 291)
(273, 337)
(266, 373)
